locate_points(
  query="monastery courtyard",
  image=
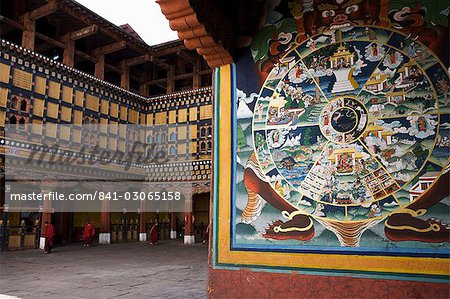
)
(126, 270)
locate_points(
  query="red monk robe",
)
(49, 233)
(154, 234)
(88, 234)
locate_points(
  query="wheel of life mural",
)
(350, 127)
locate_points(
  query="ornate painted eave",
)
(184, 19)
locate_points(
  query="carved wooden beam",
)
(85, 56)
(8, 25)
(111, 48)
(50, 40)
(83, 32)
(169, 50)
(160, 63)
(155, 81)
(44, 10)
(205, 72)
(138, 60)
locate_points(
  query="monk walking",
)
(154, 234)
(49, 233)
(88, 233)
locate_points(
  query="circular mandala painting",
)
(346, 127)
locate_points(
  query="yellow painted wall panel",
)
(182, 133)
(36, 128)
(181, 148)
(192, 113)
(112, 143)
(50, 130)
(193, 147)
(182, 116)
(206, 112)
(54, 89)
(67, 93)
(104, 108)
(76, 136)
(103, 125)
(172, 116)
(79, 98)
(64, 132)
(113, 127)
(122, 131)
(121, 146)
(38, 107)
(2, 118)
(52, 110)
(66, 113)
(102, 141)
(22, 79)
(150, 119)
(4, 72)
(133, 116)
(123, 112)
(41, 84)
(160, 118)
(193, 131)
(114, 110)
(143, 119)
(3, 96)
(92, 102)
(77, 117)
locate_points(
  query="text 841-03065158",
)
(141, 195)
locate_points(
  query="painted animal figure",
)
(298, 226)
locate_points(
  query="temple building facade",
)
(62, 64)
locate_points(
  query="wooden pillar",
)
(196, 79)
(173, 225)
(69, 51)
(100, 67)
(29, 31)
(143, 90)
(189, 237)
(125, 77)
(170, 79)
(142, 222)
(46, 216)
(105, 224)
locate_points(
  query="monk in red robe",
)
(49, 233)
(154, 234)
(88, 233)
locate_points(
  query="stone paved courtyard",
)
(130, 270)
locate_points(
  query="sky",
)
(144, 16)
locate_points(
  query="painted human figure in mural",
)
(422, 124)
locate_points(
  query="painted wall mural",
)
(342, 130)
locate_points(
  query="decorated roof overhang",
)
(215, 29)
